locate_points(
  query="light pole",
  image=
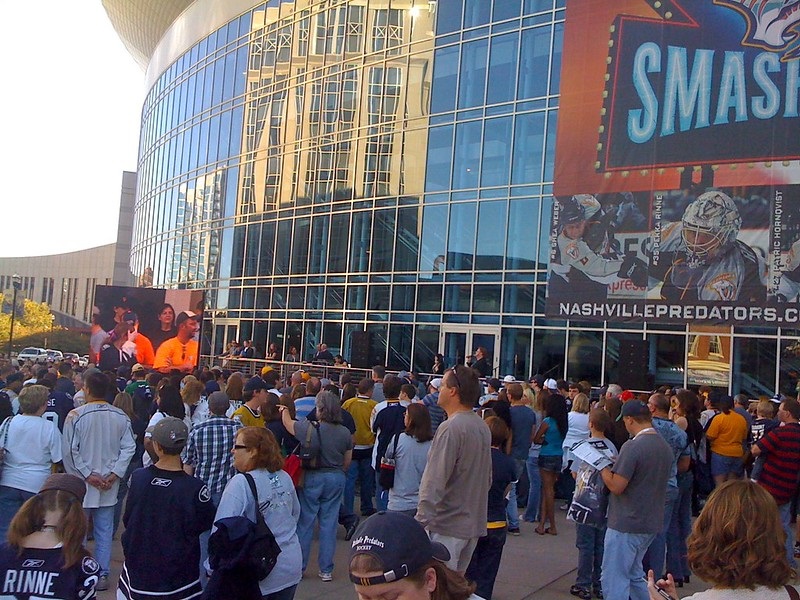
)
(16, 282)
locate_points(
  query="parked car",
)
(37, 355)
(54, 355)
(72, 357)
(83, 361)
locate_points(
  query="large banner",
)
(676, 163)
(157, 328)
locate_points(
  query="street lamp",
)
(16, 282)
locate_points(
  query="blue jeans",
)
(512, 511)
(786, 520)
(680, 527)
(320, 497)
(657, 552)
(11, 499)
(534, 490)
(103, 529)
(589, 542)
(485, 561)
(623, 576)
(362, 470)
(381, 495)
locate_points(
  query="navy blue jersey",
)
(165, 513)
(58, 406)
(39, 573)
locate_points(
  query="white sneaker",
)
(326, 576)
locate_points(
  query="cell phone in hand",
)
(663, 593)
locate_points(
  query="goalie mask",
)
(710, 224)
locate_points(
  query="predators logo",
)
(771, 24)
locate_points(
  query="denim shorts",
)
(722, 465)
(550, 463)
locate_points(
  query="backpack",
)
(310, 455)
(241, 553)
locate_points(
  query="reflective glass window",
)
(357, 297)
(319, 245)
(534, 60)
(486, 299)
(379, 297)
(496, 156)
(406, 254)
(382, 247)
(445, 70)
(426, 346)
(300, 239)
(282, 246)
(491, 235)
(429, 298)
(440, 158)
(403, 296)
(555, 68)
(472, 77)
(457, 298)
(297, 297)
(503, 62)
(400, 341)
(466, 160)
(339, 243)
(546, 225)
(550, 147)
(548, 351)
(448, 17)
(536, 6)
(359, 245)
(334, 297)
(518, 298)
(754, 362)
(461, 236)
(522, 226)
(279, 295)
(476, 12)
(515, 353)
(251, 250)
(505, 9)
(528, 148)
(267, 248)
(433, 239)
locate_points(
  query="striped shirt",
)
(781, 448)
(209, 450)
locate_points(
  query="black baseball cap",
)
(396, 541)
(635, 408)
(255, 384)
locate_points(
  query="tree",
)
(31, 318)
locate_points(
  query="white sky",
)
(69, 125)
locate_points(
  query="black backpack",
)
(241, 553)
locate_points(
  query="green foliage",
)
(34, 323)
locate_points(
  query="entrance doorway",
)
(457, 343)
(225, 330)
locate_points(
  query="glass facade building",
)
(326, 167)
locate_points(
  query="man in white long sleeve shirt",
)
(97, 446)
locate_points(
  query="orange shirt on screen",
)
(172, 354)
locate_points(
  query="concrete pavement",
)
(533, 566)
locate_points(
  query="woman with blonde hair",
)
(45, 543)
(192, 391)
(737, 545)
(578, 425)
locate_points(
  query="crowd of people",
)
(445, 470)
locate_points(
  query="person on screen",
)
(701, 259)
(181, 351)
(113, 354)
(138, 344)
(586, 262)
(789, 285)
(166, 326)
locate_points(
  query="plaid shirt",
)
(209, 450)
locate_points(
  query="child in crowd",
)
(485, 560)
(588, 508)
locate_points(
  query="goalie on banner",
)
(586, 259)
(702, 259)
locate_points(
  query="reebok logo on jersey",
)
(161, 482)
(32, 563)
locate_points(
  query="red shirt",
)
(781, 448)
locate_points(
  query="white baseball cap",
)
(550, 384)
(509, 379)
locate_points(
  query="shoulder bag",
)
(4, 433)
(387, 468)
